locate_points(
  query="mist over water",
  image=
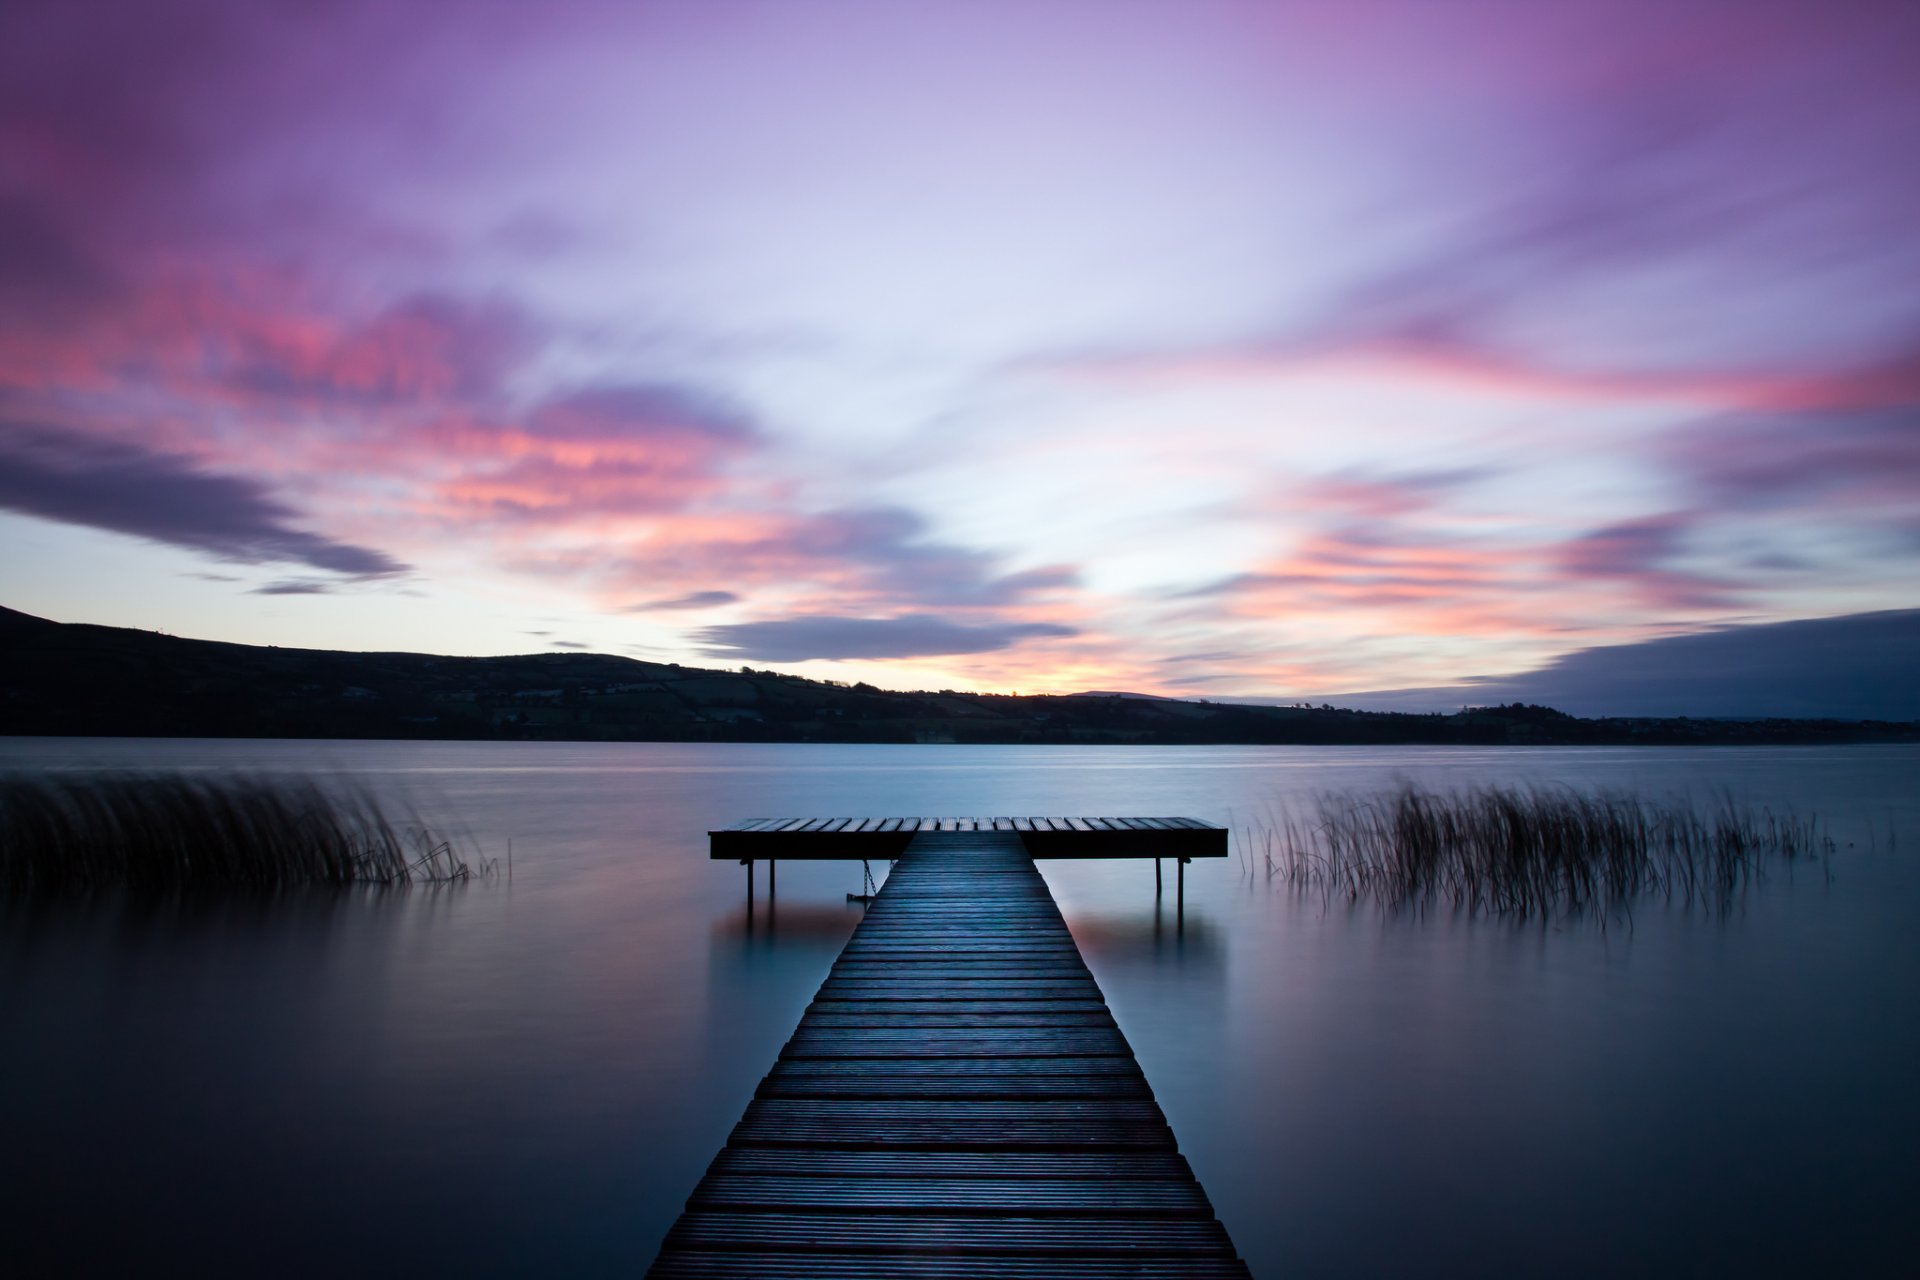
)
(506, 1078)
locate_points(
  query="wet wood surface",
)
(956, 1102)
(771, 839)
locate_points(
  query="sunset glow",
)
(1205, 349)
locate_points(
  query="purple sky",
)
(1260, 349)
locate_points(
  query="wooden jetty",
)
(957, 1101)
(772, 840)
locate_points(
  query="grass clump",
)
(1525, 852)
(160, 832)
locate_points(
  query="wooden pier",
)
(772, 840)
(956, 1102)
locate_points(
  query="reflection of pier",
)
(957, 1099)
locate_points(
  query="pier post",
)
(1156, 878)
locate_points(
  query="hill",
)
(82, 680)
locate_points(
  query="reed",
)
(1526, 852)
(159, 832)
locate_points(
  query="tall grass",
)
(170, 831)
(1526, 852)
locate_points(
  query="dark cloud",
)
(57, 475)
(1758, 461)
(567, 644)
(890, 549)
(909, 636)
(1855, 667)
(692, 600)
(1641, 554)
(293, 588)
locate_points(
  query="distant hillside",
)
(69, 678)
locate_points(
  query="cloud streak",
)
(805, 639)
(691, 600)
(69, 478)
(295, 588)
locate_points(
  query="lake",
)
(510, 1078)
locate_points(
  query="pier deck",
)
(956, 1102)
(804, 839)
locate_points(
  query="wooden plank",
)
(949, 1164)
(930, 989)
(818, 1021)
(828, 1008)
(1092, 1066)
(1023, 1196)
(949, 1234)
(731, 1264)
(921, 1044)
(832, 1113)
(896, 1084)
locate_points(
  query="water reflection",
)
(1159, 934)
(770, 923)
(540, 1075)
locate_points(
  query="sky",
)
(1203, 349)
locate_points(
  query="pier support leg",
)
(748, 864)
(1156, 877)
(771, 872)
(1180, 889)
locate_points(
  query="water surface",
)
(502, 1079)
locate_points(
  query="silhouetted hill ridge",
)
(86, 680)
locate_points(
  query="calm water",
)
(500, 1080)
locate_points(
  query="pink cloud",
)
(1449, 365)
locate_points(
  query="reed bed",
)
(1529, 852)
(160, 832)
